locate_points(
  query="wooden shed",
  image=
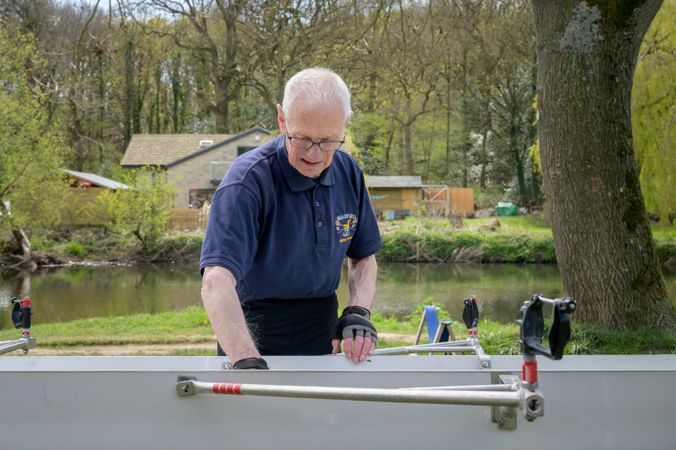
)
(395, 197)
(440, 200)
(79, 206)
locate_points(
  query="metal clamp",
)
(533, 325)
(21, 318)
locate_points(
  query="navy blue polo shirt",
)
(283, 235)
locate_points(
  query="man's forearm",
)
(225, 313)
(362, 274)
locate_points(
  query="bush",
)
(143, 209)
(171, 247)
(518, 249)
(76, 249)
(441, 245)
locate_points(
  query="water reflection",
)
(64, 294)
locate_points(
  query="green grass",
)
(191, 326)
(532, 224)
(664, 232)
(77, 249)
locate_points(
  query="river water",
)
(63, 294)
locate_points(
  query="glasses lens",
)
(306, 144)
(329, 146)
(301, 143)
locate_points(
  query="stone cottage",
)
(195, 163)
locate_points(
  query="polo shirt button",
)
(320, 223)
(317, 204)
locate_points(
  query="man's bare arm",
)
(361, 275)
(225, 313)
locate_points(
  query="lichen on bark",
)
(582, 33)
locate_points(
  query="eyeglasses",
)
(306, 144)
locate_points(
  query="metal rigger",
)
(505, 393)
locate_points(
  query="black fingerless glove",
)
(251, 363)
(355, 321)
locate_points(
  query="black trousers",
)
(298, 326)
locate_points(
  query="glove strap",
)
(359, 310)
(251, 363)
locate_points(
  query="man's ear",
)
(281, 120)
(347, 120)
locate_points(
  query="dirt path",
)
(123, 350)
(206, 348)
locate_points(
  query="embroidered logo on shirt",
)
(346, 224)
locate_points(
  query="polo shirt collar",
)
(297, 181)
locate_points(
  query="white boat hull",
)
(592, 402)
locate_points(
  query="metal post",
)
(424, 349)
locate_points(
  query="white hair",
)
(316, 87)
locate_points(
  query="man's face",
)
(320, 124)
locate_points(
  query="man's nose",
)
(314, 150)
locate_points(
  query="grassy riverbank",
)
(522, 239)
(187, 332)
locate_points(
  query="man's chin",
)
(312, 171)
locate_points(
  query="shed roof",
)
(375, 181)
(96, 180)
(169, 149)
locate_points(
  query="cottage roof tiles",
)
(169, 149)
(164, 149)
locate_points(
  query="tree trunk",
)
(128, 91)
(406, 151)
(467, 143)
(586, 57)
(222, 105)
(21, 242)
(516, 151)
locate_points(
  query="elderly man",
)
(282, 221)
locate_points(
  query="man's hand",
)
(358, 334)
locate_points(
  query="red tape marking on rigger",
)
(227, 388)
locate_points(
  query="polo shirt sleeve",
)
(366, 240)
(231, 238)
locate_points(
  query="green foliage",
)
(523, 239)
(518, 249)
(589, 339)
(654, 113)
(488, 198)
(395, 248)
(520, 239)
(31, 150)
(142, 210)
(178, 246)
(77, 249)
(41, 243)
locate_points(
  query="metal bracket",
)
(185, 386)
(504, 416)
(484, 359)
